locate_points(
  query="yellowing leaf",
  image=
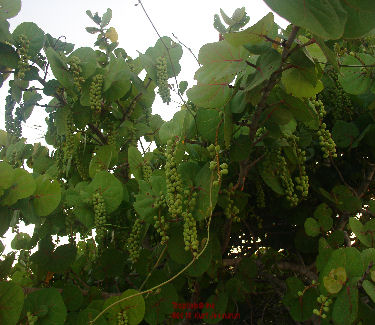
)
(335, 280)
(112, 34)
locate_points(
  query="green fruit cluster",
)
(69, 150)
(69, 224)
(174, 183)
(100, 216)
(324, 308)
(96, 93)
(275, 160)
(17, 126)
(161, 227)
(162, 79)
(302, 180)
(326, 142)
(190, 224)
(231, 211)
(122, 318)
(147, 171)
(75, 67)
(133, 243)
(339, 102)
(23, 50)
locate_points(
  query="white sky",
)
(191, 21)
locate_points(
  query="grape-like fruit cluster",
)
(231, 211)
(23, 50)
(337, 99)
(324, 306)
(69, 136)
(122, 318)
(96, 93)
(100, 216)
(260, 197)
(161, 227)
(174, 183)
(147, 171)
(77, 72)
(133, 243)
(162, 79)
(222, 169)
(190, 224)
(17, 126)
(31, 319)
(302, 180)
(286, 180)
(326, 142)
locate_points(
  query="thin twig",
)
(188, 48)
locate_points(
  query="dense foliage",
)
(256, 204)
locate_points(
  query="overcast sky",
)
(191, 21)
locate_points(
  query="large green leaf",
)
(345, 308)
(324, 18)
(72, 296)
(180, 125)
(355, 80)
(266, 65)
(9, 8)
(23, 186)
(361, 17)
(47, 195)
(33, 33)
(109, 187)
(221, 62)
(87, 58)
(59, 68)
(215, 305)
(9, 57)
(6, 175)
(52, 300)
(254, 34)
(135, 307)
(11, 302)
(117, 79)
(208, 121)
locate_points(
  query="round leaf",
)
(47, 195)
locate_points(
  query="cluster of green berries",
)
(17, 126)
(133, 243)
(337, 99)
(286, 179)
(69, 136)
(302, 180)
(324, 306)
(162, 79)
(75, 67)
(59, 156)
(231, 211)
(100, 216)
(326, 142)
(174, 183)
(190, 224)
(260, 132)
(223, 168)
(260, 197)
(96, 93)
(22, 50)
(69, 224)
(161, 227)
(31, 319)
(122, 318)
(147, 171)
